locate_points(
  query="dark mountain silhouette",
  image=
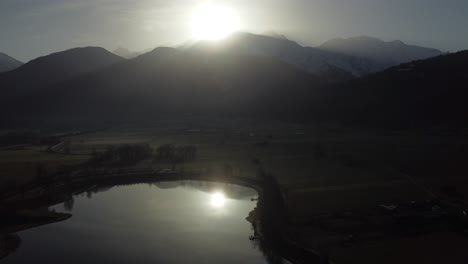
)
(54, 68)
(211, 80)
(425, 93)
(170, 81)
(387, 54)
(8, 63)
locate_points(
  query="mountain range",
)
(164, 81)
(336, 59)
(386, 54)
(8, 63)
(245, 75)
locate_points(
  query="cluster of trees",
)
(124, 155)
(127, 155)
(173, 153)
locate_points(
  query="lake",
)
(168, 222)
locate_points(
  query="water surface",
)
(189, 222)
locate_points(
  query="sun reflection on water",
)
(217, 199)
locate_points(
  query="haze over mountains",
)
(336, 60)
(312, 60)
(386, 54)
(8, 63)
(356, 56)
(245, 75)
(126, 53)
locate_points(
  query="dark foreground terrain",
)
(346, 191)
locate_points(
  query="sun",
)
(214, 22)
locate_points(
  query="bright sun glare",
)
(212, 22)
(217, 199)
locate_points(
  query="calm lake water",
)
(178, 222)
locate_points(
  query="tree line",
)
(123, 155)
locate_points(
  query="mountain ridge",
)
(212, 79)
(56, 67)
(8, 63)
(312, 60)
(325, 60)
(387, 53)
(165, 81)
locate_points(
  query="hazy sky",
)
(31, 28)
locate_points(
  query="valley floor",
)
(324, 172)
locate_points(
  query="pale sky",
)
(32, 28)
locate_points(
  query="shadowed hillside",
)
(217, 81)
(170, 81)
(429, 92)
(54, 68)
